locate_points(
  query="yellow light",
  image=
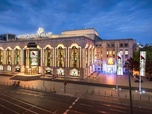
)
(110, 61)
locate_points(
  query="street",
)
(21, 101)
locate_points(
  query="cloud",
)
(111, 18)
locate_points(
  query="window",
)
(9, 56)
(74, 57)
(126, 44)
(121, 52)
(110, 53)
(126, 56)
(17, 56)
(113, 52)
(110, 61)
(126, 52)
(107, 52)
(60, 56)
(1, 56)
(48, 57)
(112, 45)
(121, 44)
(108, 45)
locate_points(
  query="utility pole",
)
(130, 92)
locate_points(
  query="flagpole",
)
(116, 82)
(140, 83)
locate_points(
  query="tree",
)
(135, 61)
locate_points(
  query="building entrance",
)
(32, 70)
(32, 59)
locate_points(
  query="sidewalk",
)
(102, 80)
(106, 80)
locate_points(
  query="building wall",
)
(94, 55)
(108, 49)
(83, 43)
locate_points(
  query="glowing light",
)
(110, 61)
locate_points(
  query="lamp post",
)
(130, 92)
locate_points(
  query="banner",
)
(33, 57)
(142, 62)
(119, 64)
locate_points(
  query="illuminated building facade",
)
(107, 50)
(75, 53)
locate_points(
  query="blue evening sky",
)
(112, 19)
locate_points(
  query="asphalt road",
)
(20, 101)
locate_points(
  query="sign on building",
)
(40, 33)
(142, 62)
(119, 64)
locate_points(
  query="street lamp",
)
(130, 92)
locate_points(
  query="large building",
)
(74, 53)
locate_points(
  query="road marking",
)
(86, 105)
(27, 110)
(9, 109)
(66, 111)
(28, 103)
(71, 106)
(118, 111)
(114, 106)
(103, 112)
(77, 99)
(32, 94)
(18, 106)
(106, 105)
(118, 107)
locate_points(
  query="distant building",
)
(73, 53)
(8, 37)
(106, 53)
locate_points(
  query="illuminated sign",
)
(119, 64)
(142, 63)
(33, 57)
(40, 33)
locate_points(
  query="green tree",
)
(135, 61)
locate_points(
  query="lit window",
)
(113, 52)
(126, 52)
(107, 52)
(110, 61)
(110, 53)
(121, 52)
